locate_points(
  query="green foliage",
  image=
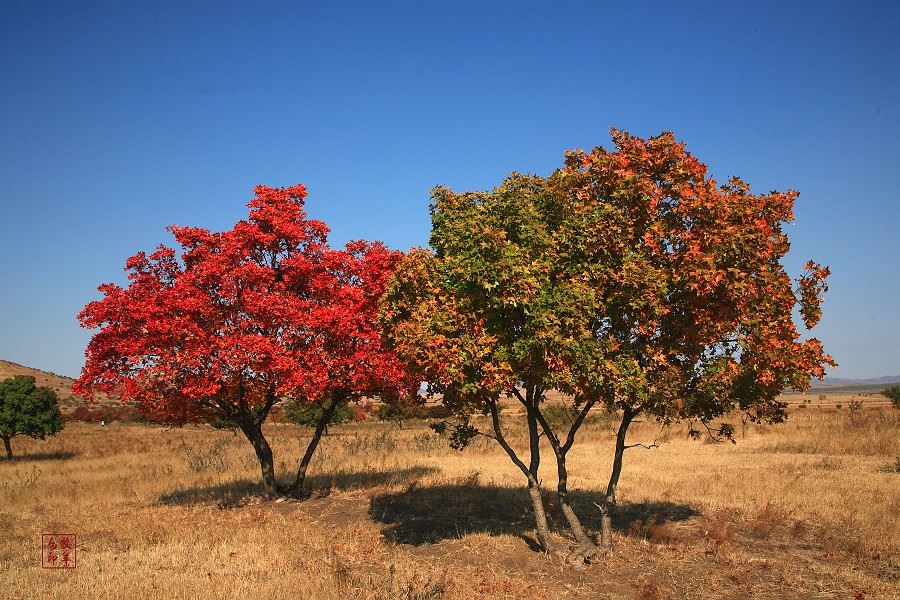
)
(28, 410)
(401, 410)
(628, 278)
(220, 421)
(893, 393)
(309, 414)
(561, 416)
(460, 433)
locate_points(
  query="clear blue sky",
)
(118, 119)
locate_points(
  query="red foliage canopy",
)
(245, 317)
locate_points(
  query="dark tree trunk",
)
(250, 423)
(607, 508)
(6, 445)
(562, 491)
(296, 488)
(586, 548)
(540, 516)
(263, 451)
(534, 486)
(531, 473)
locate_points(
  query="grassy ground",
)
(806, 509)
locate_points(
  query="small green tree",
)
(27, 410)
(892, 392)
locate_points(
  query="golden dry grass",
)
(806, 509)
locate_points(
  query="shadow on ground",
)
(37, 456)
(431, 514)
(233, 493)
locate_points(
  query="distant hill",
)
(60, 384)
(871, 382)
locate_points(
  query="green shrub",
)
(309, 414)
(892, 392)
(562, 416)
(397, 412)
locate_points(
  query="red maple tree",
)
(243, 320)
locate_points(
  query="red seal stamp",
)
(58, 551)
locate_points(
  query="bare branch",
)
(576, 425)
(495, 419)
(653, 445)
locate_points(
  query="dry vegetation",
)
(807, 509)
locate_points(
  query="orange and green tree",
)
(629, 280)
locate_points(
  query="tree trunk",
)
(534, 486)
(586, 548)
(296, 488)
(562, 491)
(531, 473)
(264, 455)
(9, 454)
(540, 516)
(607, 508)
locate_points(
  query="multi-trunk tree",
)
(242, 320)
(629, 280)
(475, 317)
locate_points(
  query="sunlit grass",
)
(803, 509)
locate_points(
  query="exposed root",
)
(583, 554)
(606, 550)
(575, 556)
(556, 551)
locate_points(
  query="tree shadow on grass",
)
(429, 515)
(38, 456)
(234, 493)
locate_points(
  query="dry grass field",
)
(806, 509)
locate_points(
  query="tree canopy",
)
(627, 279)
(242, 320)
(26, 409)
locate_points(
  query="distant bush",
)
(893, 392)
(563, 416)
(309, 414)
(361, 412)
(436, 411)
(401, 410)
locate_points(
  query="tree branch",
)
(576, 425)
(653, 445)
(495, 419)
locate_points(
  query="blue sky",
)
(118, 119)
